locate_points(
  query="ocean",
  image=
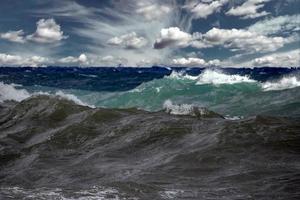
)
(149, 133)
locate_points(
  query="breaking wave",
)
(214, 77)
(282, 84)
(15, 93)
(228, 94)
(217, 78)
(10, 92)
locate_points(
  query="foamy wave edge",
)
(11, 92)
(282, 84)
(214, 77)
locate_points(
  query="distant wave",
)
(222, 92)
(214, 77)
(217, 77)
(282, 84)
(181, 75)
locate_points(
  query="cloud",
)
(239, 39)
(95, 26)
(172, 36)
(233, 39)
(249, 9)
(195, 62)
(14, 36)
(203, 10)
(47, 31)
(112, 60)
(128, 41)
(82, 59)
(16, 60)
(277, 25)
(152, 11)
(284, 59)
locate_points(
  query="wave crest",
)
(11, 92)
(188, 109)
(209, 76)
(216, 78)
(283, 84)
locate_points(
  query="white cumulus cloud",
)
(195, 62)
(14, 36)
(128, 41)
(16, 60)
(249, 9)
(202, 9)
(82, 59)
(172, 36)
(240, 39)
(233, 39)
(47, 31)
(283, 59)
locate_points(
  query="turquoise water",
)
(228, 95)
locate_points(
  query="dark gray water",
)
(54, 149)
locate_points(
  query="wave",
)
(188, 109)
(217, 77)
(214, 77)
(10, 92)
(282, 84)
(229, 95)
(15, 93)
(61, 150)
(181, 75)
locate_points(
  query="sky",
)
(189, 33)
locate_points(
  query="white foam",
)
(183, 109)
(283, 84)
(10, 92)
(72, 98)
(233, 118)
(217, 77)
(94, 193)
(209, 76)
(181, 75)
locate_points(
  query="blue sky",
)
(233, 33)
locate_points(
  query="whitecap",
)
(181, 75)
(282, 84)
(72, 98)
(183, 109)
(10, 92)
(217, 77)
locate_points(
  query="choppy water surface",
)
(201, 134)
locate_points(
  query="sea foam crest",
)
(214, 77)
(73, 98)
(181, 75)
(10, 92)
(217, 77)
(183, 109)
(282, 84)
(188, 109)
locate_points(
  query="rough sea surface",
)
(149, 133)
